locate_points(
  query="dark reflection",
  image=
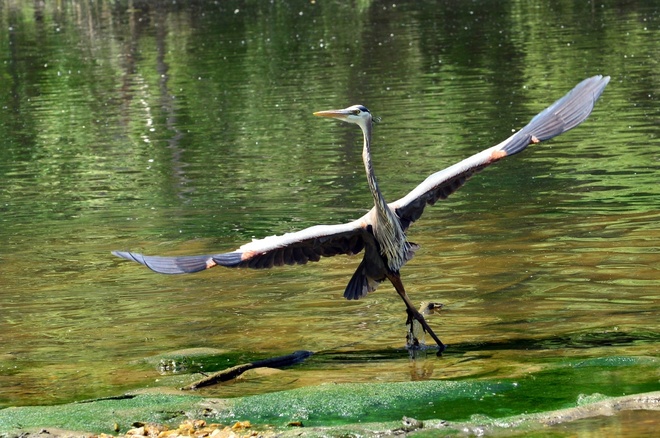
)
(576, 341)
(476, 350)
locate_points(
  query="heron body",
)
(380, 233)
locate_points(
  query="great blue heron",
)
(381, 232)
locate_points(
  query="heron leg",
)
(395, 279)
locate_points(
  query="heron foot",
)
(412, 312)
(417, 326)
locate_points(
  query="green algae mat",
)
(575, 391)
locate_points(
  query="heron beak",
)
(334, 114)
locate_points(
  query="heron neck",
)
(379, 200)
(386, 226)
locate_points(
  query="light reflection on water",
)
(192, 157)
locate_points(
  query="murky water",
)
(189, 129)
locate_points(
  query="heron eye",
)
(356, 112)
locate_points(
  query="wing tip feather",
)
(170, 265)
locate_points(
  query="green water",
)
(187, 128)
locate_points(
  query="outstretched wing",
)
(328, 240)
(564, 114)
(300, 247)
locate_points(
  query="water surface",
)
(188, 128)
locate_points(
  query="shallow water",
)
(188, 129)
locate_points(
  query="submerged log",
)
(235, 371)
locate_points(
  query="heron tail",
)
(361, 284)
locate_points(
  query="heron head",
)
(357, 114)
